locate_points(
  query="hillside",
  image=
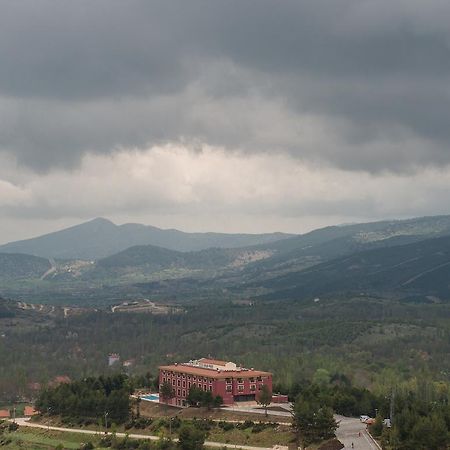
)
(299, 252)
(99, 238)
(18, 266)
(419, 269)
(143, 261)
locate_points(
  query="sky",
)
(222, 115)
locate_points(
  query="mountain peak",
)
(99, 221)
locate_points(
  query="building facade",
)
(232, 383)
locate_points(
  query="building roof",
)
(215, 362)
(60, 379)
(212, 373)
(29, 411)
(4, 413)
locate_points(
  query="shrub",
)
(13, 426)
(226, 426)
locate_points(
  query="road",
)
(24, 422)
(352, 430)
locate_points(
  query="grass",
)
(281, 435)
(256, 432)
(39, 439)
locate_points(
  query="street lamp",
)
(106, 422)
(49, 408)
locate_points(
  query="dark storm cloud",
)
(85, 76)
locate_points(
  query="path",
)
(353, 430)
(258, 410)
(23, 422)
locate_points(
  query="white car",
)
(364, 418)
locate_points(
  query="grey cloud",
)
(84, 76)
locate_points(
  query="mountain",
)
(302, 251)
(419, 269)
(19, 266)
(99, 238)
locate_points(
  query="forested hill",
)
(144, 260)
(331, 242)
(18, 266)
(415, 269)
(99, 238)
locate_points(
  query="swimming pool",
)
(151, 397)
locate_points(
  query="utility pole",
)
(391, 407)
(48, 419)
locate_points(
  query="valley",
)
(366, 303)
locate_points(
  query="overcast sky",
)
(222, 115)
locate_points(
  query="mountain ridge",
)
(99, 238)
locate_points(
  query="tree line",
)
(104, 398)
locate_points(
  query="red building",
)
(232, 383)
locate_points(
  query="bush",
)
(226, 426)
(13, 426)
(191, 438)
(245, 425)
(258, 427)
(203, 425)
(106, 441)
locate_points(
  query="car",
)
(364, 418)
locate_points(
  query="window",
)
(240, 388)
(178, 392)
(184, 393)
(184, 383)
(178, 383)
(252, 387)
(228, 380)
(229, 388)
(240, 380)
(259, 379)
(252, 379)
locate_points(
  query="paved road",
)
(352, 430)
(26, 423)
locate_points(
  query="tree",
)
(199, 397)
(195, 396)
(377, 428)
(190, 438)
(312, 422)
(138, 406)
(166, 391)
(265, 397)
